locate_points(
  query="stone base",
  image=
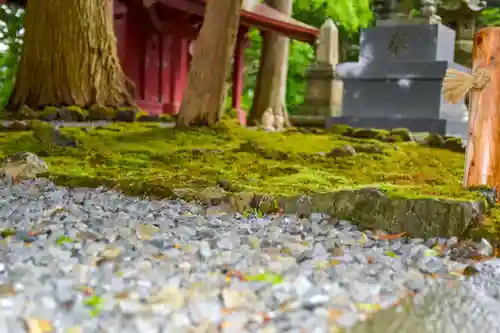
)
(307, 121)
(438, 126)
(315, 109)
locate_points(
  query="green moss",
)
(49, 111)
(453, 144)
(41, 131)
(369, 133)
(168, 118)
(97, 112)
(141, 113)
(230, 113)
(435, 140)
(341, 129)
(399, 135)
(78, 113)
(146, 158)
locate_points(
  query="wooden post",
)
(238, 69)
(482, 160)
(179, 64)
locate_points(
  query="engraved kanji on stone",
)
(397, 44)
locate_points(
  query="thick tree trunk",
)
(270, 92)
(212, 54)
(70, 57)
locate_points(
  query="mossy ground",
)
(146, 157)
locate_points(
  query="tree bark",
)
(482, 161)
(213, 50)
(270, 91)
(70, 57)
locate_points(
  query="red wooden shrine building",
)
(154, 38)
(154, 42)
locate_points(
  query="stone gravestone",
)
(397, 81)
(323, 95)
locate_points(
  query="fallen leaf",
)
(121, 295)
(111, 253)
(87, 291)
(7, 290)
(74, 329)
(431, 253)
(334, 314)
(389, 237)
(273, 278)
(34, 325)
(225, 324)
(234, 273)
(366, 307)
(146, 231)
(363, 239)
(391, 254)
(439, 248)
(265, 316)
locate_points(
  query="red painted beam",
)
(294, 32)
(262, 17)
(194, 8)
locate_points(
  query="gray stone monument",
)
(397, 81)
(323, 95)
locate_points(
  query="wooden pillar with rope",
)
(481, 88)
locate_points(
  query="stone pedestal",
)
(323, 97)
(397, 81)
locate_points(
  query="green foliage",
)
(11, 34)
(349, 15)
(490, 17)
(301, 56)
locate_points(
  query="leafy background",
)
(349, 15)
(11, 37)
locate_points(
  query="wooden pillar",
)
(482, 159)
(238, 73)
(165, 69)
(482, 162)
(179, 65)
(120, 22)
(133, 47)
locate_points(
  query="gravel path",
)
(90, 260)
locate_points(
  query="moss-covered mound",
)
(147, 158)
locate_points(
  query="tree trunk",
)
(270, 91)
(210, 65)
(70, 57)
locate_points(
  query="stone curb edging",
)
(369, 208)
